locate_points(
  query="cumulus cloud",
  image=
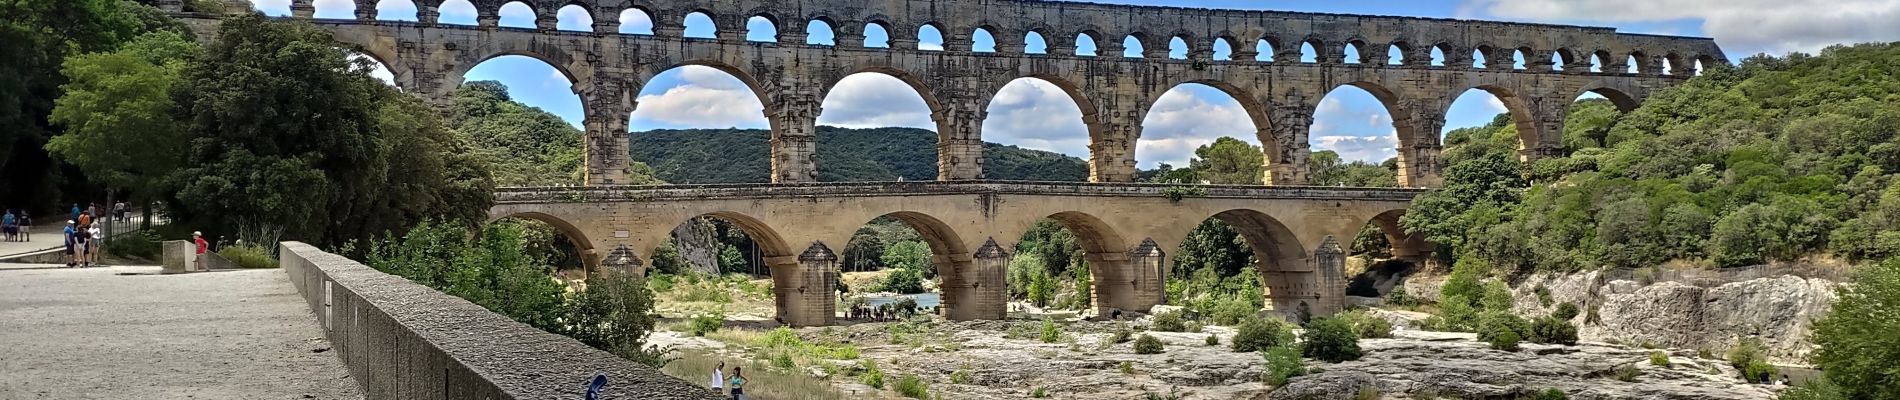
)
(1035, 114)
(871, 100)
(1744, 25)
(573, 18)
(1186, 118)
(635, 21)
(704, 98)
(1373, 149)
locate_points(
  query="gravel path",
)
(128, 333)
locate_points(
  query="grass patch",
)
(248, 255)
(763, 382)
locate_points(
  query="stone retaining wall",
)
(401, 340)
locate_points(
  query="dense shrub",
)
(1660, 359)
(144, 245)
(1170, 322)
(1858, 338)
(872, 376)
(1367, 325)
(1121, 334)
(1213, 340)
(903, 281)
(615, 314)
(1148, 344)
(249, 255)
(1331, 340)
(1504, 339)
(707, 323)
(1256, 334)
(1050, 331)
(1550, 330)
(1747, 358)
(1565, 311)
(1399, 298)
(910, 386)
(1232, 310)
(1283, 362)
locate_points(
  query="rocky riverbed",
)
(1006, 360)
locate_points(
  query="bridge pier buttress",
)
(1314, 288)
(960, 138)
(1113, 136)
(1127, 281)
(805, 287)
(794, 124)
(1287, 156)
(609, 106)
(1420, 147)
(975, 288)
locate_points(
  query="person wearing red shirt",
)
(198, 238)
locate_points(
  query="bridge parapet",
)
(571, 194)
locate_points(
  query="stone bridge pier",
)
(1128, 232)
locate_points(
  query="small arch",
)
(590, 258)
(819, 32)
(457, 12)
(1223, 49)
(877, 35)
(1480, 57)
(1441, 54)
(1085, 44)
(396, 10)
(1519, 60)
(1132, 47)
(1395, 53)
(1034, 43)
(1273, 243)
(771, 244)
(1178, 48)
(982, 41)
(1562, 58)
(700, 25)
(1638, 62)
(1702, 62)
(1355, 52)
(929, 37)
(636, 21)
(761, 28)
(1094, 235)
(574, 17)
(516, 14)
(1671, 63)
(1266, 48)
(1310, 50)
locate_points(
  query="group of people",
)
(17, 225)
(720, 382)
(83, 238)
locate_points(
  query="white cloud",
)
(1182, 120)
(1373, 149)
(871, 100)
(1035, 114)
(706, 98)
(1745, 25)
(459, 9)
(635, 21)
(574, 18)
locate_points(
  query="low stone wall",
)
(176, 256)
(401, 340)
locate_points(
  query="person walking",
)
(26, 224)
(122, 210)
(85, 219)
(72, 258)
(9, 224)
(737, 383)
(75, 211)
(719, 379)
(198, 238)
(83, 241)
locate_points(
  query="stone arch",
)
(1600, 60)
(934, 26)
(1039, 38)
(1564, 58)
(587, 11)
(576, 71)
(1092, 233)
(1673, 64)
(1484, 55)
(1090, 113)
(1255, 108)
(1618, 96)
(1404, 49)
(882, 26)
(632, 29)
(1638, 61)
(771, 243)
(1273, 243)
(1187, 46)
(778, 27)
(1320, 52)
(943, 240)
(997, 41)
(1523, 116)
(814, 38)
(591, 255)
(711, 21)
(1358, 46)
(910, 79)
(1142, 39)
(650, 71)
(534, 8)
(1445, 52)
(1095, 42)
(1405, 245)
(1233, 48)
(381, 15)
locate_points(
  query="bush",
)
(872, 376)
(1819, 389)
(1121, 335)
(1550, 394)
(1148, 344)
(707, 323)
(1256, 334)
(144, 245)
(249, 255)
(1550, 330)
(1503, 339)
(1565, 311)
(1170, 322)
(1284, 362)
(1493, 323)
(1128, 368)
(1399, 298)
(615, 314)
(903, 281)
(961, 376)
(1232, 310)
(1659, 359)
(1626, 372)
(1213, 340)
(1038, 392)
(1366, 325)
(1050, 331)
(1747, 358)
(1331, 340)
(910, 386)
(784, 361)
(1857, 338)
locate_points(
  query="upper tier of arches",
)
(1197, 33)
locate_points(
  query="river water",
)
(924, 300)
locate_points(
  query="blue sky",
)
(1033, 114)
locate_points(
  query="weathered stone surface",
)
(1777, 310)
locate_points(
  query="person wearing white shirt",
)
(719, 378)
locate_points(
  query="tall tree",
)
(288, 135)
(121, 126)
(1229, 161)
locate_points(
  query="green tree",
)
(1857, 344)
(1229, 161)
(305, 142)
(121, 128)
(1332, 340)
(909, 254)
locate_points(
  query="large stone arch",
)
(591, 254)
(1525, 114)
(1294, 285)
(1624, 97)
(575, 69)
